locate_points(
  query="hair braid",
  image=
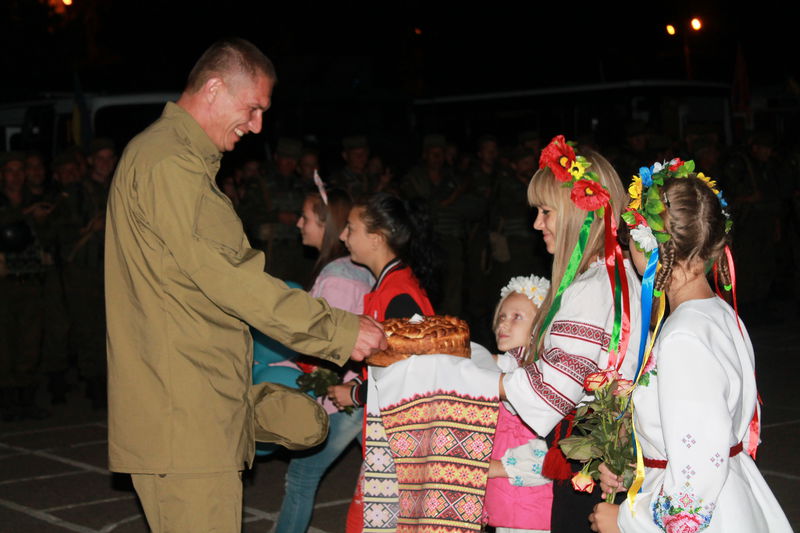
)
(664, 275)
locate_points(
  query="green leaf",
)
(661, 236)
(655, 222)
(644, 380)
(628, 217)
(578, 448)
(688, 166)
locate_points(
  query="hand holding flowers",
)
(604, 431)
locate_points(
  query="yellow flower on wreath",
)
(635, 192)
(708, 181)
(577, 169)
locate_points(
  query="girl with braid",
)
(695, 396)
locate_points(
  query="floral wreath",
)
(587, 191)
(589, 194)
(534, 287)
(644, 213)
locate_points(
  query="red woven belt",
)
(658, 463)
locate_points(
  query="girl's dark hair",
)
(695, 221)
(408, 231)
(334, 218)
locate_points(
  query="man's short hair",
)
(229, 56)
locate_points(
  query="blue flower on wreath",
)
(722, 201)
(647, 176)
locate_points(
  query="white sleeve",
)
(697, 428)
(523, 464)
(575, 345)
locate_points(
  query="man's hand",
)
(370, 339)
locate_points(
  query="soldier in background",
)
(22, 284)
(55, 345)
(434, 183)
(354, 177)
(286, 192)
(483, 176)
(517, 250)
(84, 273)
(755, 182)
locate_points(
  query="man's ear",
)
(212, 87)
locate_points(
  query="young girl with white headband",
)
(518, 498)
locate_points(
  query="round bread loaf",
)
(434, 334)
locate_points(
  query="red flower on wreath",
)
(639, 218)
(675, 164)
(589, 195)
(558, 156)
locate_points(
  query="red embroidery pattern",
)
(560, 403)
(441, 444)
(575, 367)
(581, 331)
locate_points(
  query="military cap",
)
(287, 417)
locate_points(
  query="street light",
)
(695, 24)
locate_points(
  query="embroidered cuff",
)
(524, 464)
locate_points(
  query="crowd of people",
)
(182, 278)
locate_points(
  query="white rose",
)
(644, 237)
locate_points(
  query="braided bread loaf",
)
(434, 334)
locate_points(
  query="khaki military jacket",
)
(182, 285)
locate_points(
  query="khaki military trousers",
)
(191, 503)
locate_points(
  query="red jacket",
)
(398, 280)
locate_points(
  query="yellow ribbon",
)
(639, 479)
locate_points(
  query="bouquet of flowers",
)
(317, 379)
(605, 433)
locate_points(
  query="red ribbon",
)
(615, 262)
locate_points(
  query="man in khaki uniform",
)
(182, 284)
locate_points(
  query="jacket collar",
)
(193, 134)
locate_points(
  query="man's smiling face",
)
(238, 106)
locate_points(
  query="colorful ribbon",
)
(569, 276)
(645, 352)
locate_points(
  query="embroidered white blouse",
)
(697, 403)
(575, 345)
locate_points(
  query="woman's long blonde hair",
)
(545, 190)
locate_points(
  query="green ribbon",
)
(615, 331)
(569, 276)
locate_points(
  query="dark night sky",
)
(147, 45)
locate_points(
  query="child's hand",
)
(496, 469)
(604, 518)
(609, 481)
(340, 394)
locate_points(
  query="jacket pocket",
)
(218, 223)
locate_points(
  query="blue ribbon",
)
(648, 280)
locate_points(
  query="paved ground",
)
(53, 477)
